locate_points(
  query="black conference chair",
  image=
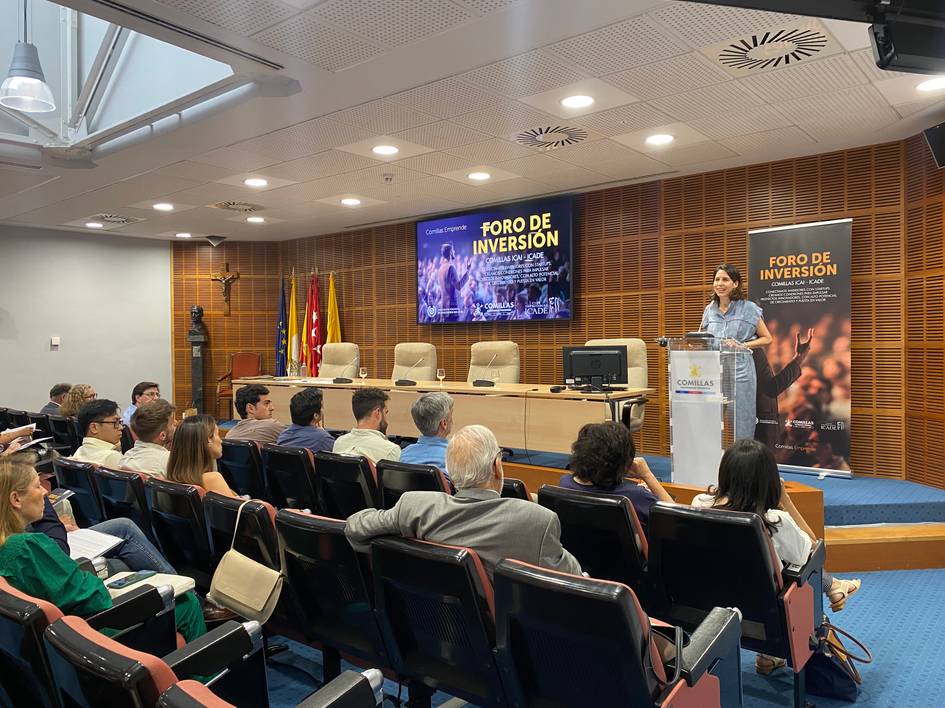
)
(17, 418)
(242, 468)
(780, 608)
(65, 434)
(41, 421)
(122, 496)
(544, 619)
(4, 419)
(256, 536)
(345, 484)
(437, 617)
(395, 478)
(515, 489)
(78, 477)
(290, 472)
(181, 528)
(333, 585)
(602, 531)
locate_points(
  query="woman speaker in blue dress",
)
(737, 321)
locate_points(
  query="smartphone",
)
(130, 579)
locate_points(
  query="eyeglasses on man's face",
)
(117, 423)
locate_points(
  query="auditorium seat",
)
(290, 472)
(256, 536)
(334, 587)
(243, 365)
(242, 468)
(637, 377)
(340, 359)
(603, 532)
(415, 361)
(17, 418)
(180, 526)
(545, 619)
(494, 360)
(395, 478)
(78, 478)
(91, 669)
(705, 558)
(65, 434)
(143, 618)
(121, 494)
(515, 489)
(4, 419)
(345, 484)
(41, 421)
(437, 616)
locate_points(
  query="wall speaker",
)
(935, 137)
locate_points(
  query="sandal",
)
(840, 591)
(765, 664)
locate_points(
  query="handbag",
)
(830, 672)
(248, 588)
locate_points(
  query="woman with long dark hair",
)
(197, 447)
(749, 481)
(731, 317)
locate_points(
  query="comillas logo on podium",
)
(696, 373)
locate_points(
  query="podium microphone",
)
(486, 382)
(344, 379)
(409, 382)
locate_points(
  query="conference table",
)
(529, 417)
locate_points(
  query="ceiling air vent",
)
(114, 219)
(551, 137)
(241, 207)
(773, 49)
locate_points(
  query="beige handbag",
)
(243, 585)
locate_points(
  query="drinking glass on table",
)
(362, 372)
(441, 374)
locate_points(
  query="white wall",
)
(107, 297)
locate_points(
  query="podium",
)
(702, 403)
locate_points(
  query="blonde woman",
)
(197, 447)
(78, 395)
(33, 562)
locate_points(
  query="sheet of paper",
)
(86, 543)
(180, 583)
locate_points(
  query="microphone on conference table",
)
(409, 382)
(345, 379)
(486, 382)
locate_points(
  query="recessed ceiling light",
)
(479, 176)
(577, 101)
(385, 150)
(660, 139)
(183, 234)
(94, 225)
(255, 220)
(351, 201)
(936, 83)
(163, 206)
(256, 182)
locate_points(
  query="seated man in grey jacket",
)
(477, 517)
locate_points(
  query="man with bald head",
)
(477, 517)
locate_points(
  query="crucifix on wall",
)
(225, 278)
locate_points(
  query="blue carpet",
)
(907, 670)
(847, 501)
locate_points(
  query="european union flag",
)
(282, 335)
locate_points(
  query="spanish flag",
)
(333, 327)
(293, 331)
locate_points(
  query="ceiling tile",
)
(524, 75)
(685, 72)
(435, 163)
(838, 107)
(449, 189)
(365, 148)
(235, 159)
(751, 119)
(511, 118)
(495, 175)
(617, 47)
(485, 7)
(610, 159)
(778, 141)
(309, 39)
(442, 135)
(491, 151)
(544, 168)
(806, 79)
(382, 117)
(701, 24)
(605, 96)
(197, 171)
(636, 116)
(864, 61)
(242, 17)
(302, 139)
(447, 98)
(323, 164)
(212, 193)
(721, 98)
(695, 154)
(334, 200)
(683, 135)
(13, 181)
(902, 89)
(393, 22)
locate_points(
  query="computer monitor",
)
(598, 366)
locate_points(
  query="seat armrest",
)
(216, 650)
(349, 690)
(227, 375)
(802, 574)
(134, 607)
(712, 640)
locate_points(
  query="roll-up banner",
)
(800, 276)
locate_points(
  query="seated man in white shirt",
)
(369, 436)
(101, 426)
(143, 392)
(153, 425)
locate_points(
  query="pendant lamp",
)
(25, 87)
